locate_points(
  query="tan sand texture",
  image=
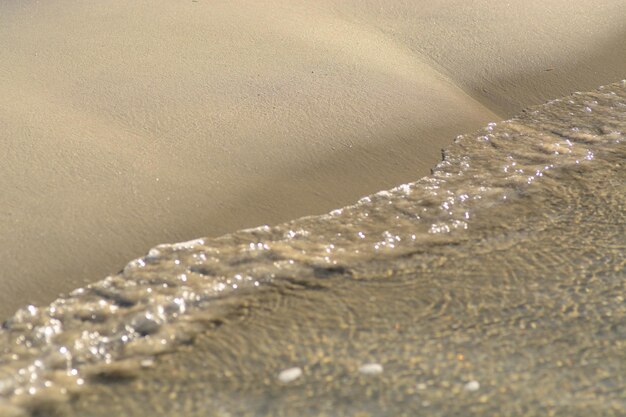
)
(128, 124)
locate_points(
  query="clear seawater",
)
(494, 287)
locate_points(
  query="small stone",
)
(290, 375)
(472, 386)
(371, 369)
(145, 324)
(147, 363)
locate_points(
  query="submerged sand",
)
(493, 286)
(127, 125)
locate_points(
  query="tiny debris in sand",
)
(371, 369)
(472, 386)
(290, 375)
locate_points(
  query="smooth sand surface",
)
(128, 124)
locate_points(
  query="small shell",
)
(290, 375)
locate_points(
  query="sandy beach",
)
(125, 125)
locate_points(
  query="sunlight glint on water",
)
(495, 284)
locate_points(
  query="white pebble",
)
(472, 386)
(371, 369)
(289, 375)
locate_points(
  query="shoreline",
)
(200, 119)
(215, 315)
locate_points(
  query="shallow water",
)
(495, 286)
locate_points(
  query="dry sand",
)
(128, 124)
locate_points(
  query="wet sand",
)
(493, 286)
(128, 125)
